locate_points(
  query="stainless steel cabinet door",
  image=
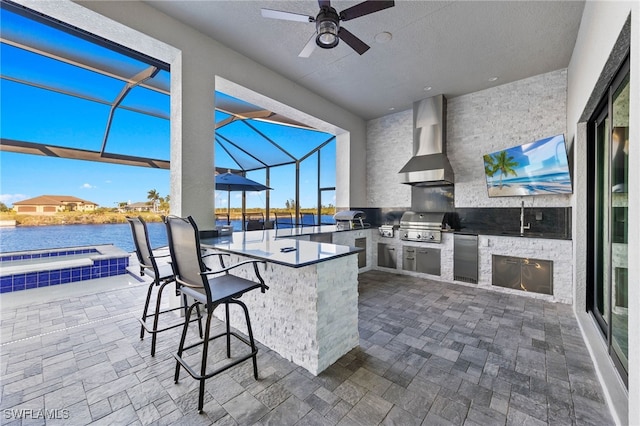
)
(537, 276)
(506, 271)
(362, 256)
(428, 260)
(387, 256)
(465, 258)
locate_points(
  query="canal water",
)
(22, 238)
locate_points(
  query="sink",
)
(526, 234)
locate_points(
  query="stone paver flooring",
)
(430, 353)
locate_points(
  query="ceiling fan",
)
(328, 30)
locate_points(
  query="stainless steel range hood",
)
(429, 165)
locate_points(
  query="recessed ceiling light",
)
(427, 88)
(383, 37)
(493, 78)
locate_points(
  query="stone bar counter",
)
(309, 315)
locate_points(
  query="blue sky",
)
(35, 115)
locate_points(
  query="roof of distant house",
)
(53, 200)
(139, 204)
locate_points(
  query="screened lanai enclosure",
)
(71, 95)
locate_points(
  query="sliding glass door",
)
(608, 201)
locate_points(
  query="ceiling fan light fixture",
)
(327, 34)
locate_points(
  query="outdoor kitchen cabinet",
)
(533, 275)
(387, 256)
(362, 255)
(421, 259)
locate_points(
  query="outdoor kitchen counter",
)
(309, 315)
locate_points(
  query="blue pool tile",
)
(6, 289)
(65, 274)
(6, 281)
(31, 278)
(18, 279)
(31, 285)
(17, 287)
(43, 276)
(54, 275)
(76, 273)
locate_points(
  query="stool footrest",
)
(197, 376)
(149, 328)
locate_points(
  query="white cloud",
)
(88, 186)
(12, 198)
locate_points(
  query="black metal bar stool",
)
(211, 289)
(162, 276)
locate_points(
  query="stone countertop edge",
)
(264, 245)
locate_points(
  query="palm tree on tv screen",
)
(500, 162)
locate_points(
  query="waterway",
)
(23, 238)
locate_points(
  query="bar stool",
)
(211, 289)
(162, 276)
(283, 220)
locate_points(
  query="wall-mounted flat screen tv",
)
(536, 168)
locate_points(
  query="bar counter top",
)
(270, 244)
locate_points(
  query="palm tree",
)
(504, 164)
(164, 204)
(153, 198)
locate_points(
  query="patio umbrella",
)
(232, 182)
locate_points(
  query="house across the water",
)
(51, 204)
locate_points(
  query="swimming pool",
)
(44, 268)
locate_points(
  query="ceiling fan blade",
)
(322, 3)
(309, 47)
(287, 16)
(353, 41)
(365, 8)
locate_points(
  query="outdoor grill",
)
(349, 219)
(417, 226)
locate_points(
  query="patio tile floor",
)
(430, 353)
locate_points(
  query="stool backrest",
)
(186, 254)
(142, 244)
(307, 219)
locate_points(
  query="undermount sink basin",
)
(526, 234)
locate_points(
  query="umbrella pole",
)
(228, 207)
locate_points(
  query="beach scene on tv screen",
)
(536, 168)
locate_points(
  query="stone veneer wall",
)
(477, 124)
(309, 315)
(389, 147)
(501, 117)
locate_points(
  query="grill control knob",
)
(406, 235)
(432, 237)
(418, 236)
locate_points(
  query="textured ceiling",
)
(454, 47)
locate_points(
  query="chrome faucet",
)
(522, 225)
